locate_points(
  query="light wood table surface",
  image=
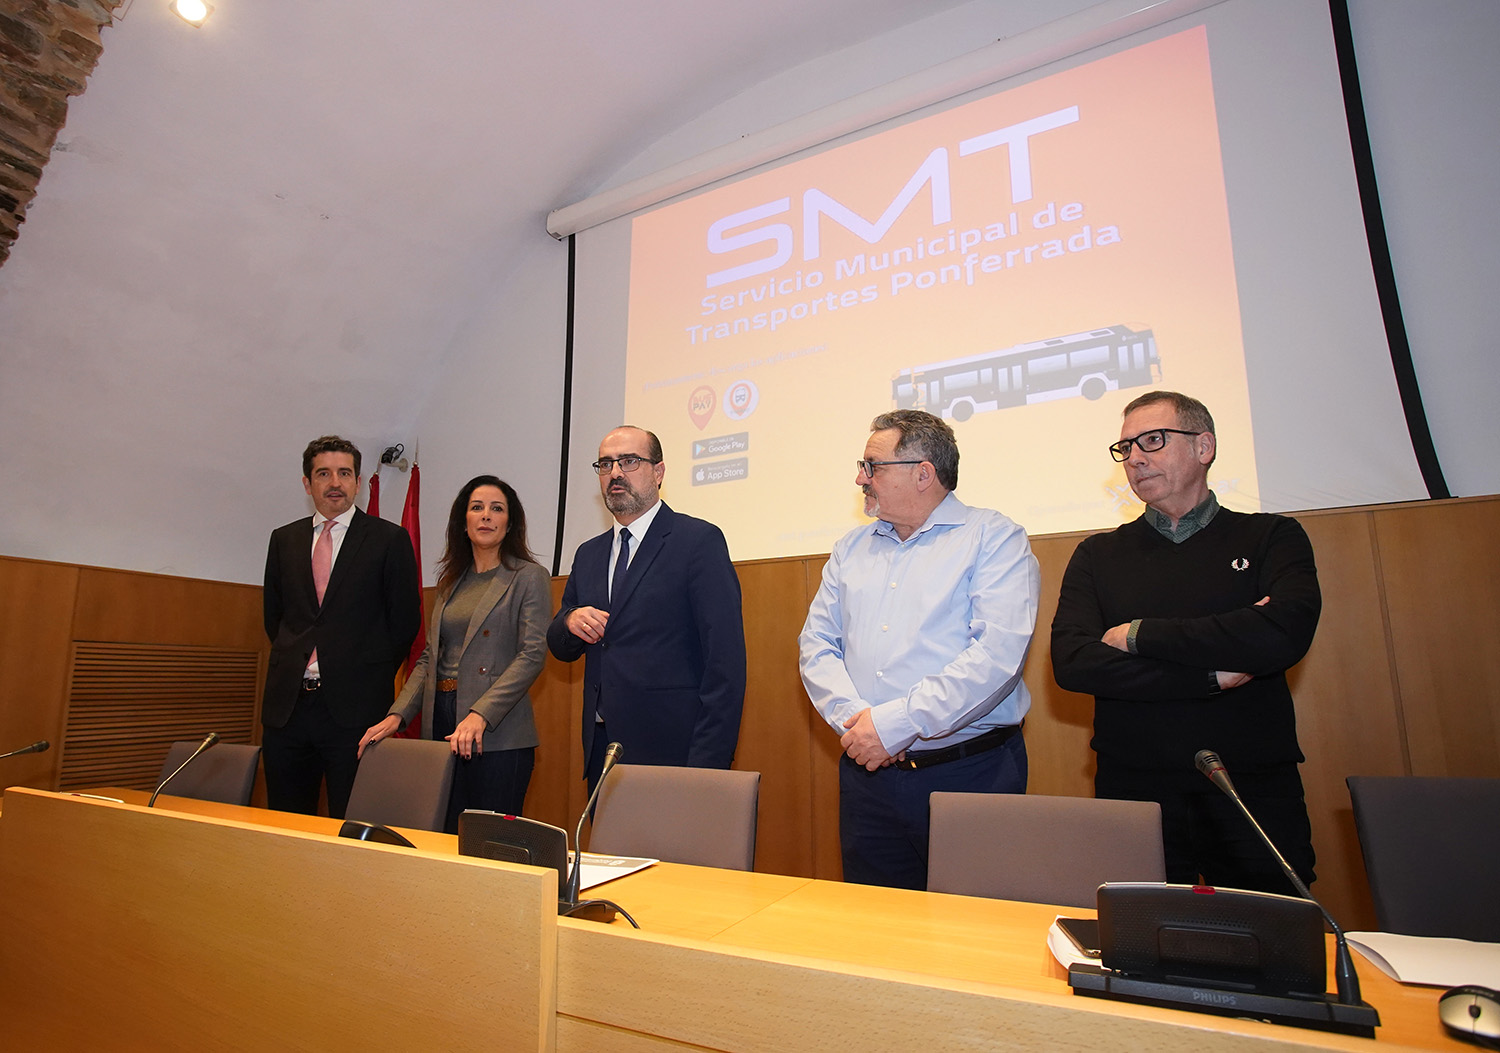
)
(955, 938)
(951, 938)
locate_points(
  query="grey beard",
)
(628, 503)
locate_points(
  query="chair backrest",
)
(1432, 853)
(224, 772)
(703, 816)
(403, 782)
(1041, 849)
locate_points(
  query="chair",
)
(403, 782)
(225, 772)
(1041, 849)
(1432, 853)
(702, 816)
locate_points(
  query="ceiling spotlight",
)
(193, 12)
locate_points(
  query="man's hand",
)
(587, 623)
(863, 744)
(1228, 680)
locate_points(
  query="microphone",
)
(612, 757)
(39, 746)
(213, 736)
(1210, 765)
(594, 909)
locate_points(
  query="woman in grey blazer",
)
(486, 643)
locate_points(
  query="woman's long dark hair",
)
(458, 552)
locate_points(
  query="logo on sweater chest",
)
(1240, 564)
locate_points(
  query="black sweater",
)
(1156, 709)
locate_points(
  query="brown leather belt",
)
(447, 685)
(992, 739)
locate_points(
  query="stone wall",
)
(48, 48)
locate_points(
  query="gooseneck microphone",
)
(1210, 765)
(213, 736)
(592, 909)
(612, 757)
(39, 746)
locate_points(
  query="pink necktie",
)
(323, 559)
(322, 568)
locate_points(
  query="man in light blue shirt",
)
(913, 648)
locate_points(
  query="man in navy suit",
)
(342, 605)
(653, 604)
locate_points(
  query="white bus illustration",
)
(1086, 364)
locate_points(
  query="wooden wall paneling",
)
(1060, 723)
(778, 720)
(558, 793)
(1441, 566)
(1348, 722)
(127, 704)
(823, 753)
(36, 618)
(122, 605)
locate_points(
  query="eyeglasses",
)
(1148, 441)
(868, 467)
(628, 463)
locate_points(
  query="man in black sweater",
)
(1182, 625)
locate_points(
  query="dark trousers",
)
(1207, 837)
(884, 816)
(310, 749)
(494, 781)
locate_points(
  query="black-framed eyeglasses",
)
(628, 463)
(1148, 441)
(868, 467)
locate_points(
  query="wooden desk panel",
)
(827, 956)
(122, 928)
(732, 960)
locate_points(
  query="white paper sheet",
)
(597, 869)
(1432, 960)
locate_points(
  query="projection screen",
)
(1173, 209)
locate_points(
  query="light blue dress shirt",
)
(931, 632)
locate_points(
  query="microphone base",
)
(1320, 1014)
(601, 910)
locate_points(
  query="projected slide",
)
(1022, 265)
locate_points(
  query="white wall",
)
(103, 469)
(1430, 83)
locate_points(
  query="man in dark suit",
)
(342, 606)
(654, 606)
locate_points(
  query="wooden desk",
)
(123, 928)
(827, 965)
(742, 961)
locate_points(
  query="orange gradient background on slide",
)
(1126, 224)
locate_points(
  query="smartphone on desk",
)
(1084, 933)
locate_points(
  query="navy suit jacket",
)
(670, 668)
(363, 630)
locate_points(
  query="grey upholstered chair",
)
(224, 772)
(1040, 849)
(703, 816)
(1432, 853)
(403, 782)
